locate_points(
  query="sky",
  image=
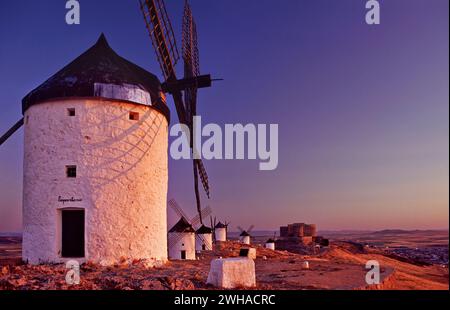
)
(363, 111)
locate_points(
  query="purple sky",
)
(362, 110)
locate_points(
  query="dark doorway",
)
(243, 252)
(203, 247)
(183, 254)
(72, 233)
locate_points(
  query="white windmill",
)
(245, 236)
(183, 241)
(270, 243)
(220, 231)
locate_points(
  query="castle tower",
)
(95, 163)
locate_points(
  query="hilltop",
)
(341, 266)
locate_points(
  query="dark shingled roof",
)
(99, 64)
(204, 230)
(182, 226)
(220, 225)
(244, 234)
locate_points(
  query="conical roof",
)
(204, 230)
(245, 234)
(182, 226)
(100, 72)
(220, 225)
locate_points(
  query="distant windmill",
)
(270, 243)
(204, 239)
(219, 230)
(245, 234)
(183, 237)
(184, 91)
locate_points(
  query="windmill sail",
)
(163, 40)
(11, 131)
(191, 62)
(192, 70)
(162, 35)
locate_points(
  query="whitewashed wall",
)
(245, 239)
(185, 243)
(220, 234)
(270, 245)
(205, 239)
(121, 179)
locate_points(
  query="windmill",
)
(184, 225)
(270, 243)
(245, 234)
(183, 91)
(219, 230)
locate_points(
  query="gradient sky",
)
(362, 110)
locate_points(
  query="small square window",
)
(71, 171)
(134, 116)
(71, 112)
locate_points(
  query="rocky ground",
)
(420, 246)
(339, 267)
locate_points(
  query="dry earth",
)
(339, 267)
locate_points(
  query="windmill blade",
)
(240, 229)
(175, 207)
(191, 61)
(203, 213)
(203, 176)
(199, 169)
(190, 43)
(192, 70)
(203, 240)
(250, 228)
(11, 131)
(197, 193)
(162, 35)
(163, 41)
(190, 106)
(174, 239)
(213, 228)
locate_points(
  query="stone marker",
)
(248, 252)
(305, 265)
(233, 272)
